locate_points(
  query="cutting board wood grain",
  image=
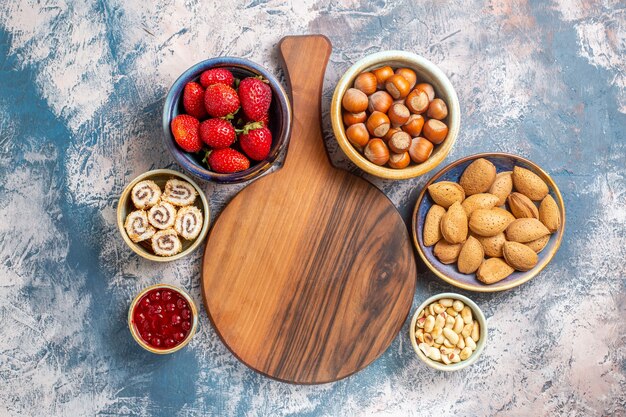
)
(308, 273)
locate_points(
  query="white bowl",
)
(480, 345)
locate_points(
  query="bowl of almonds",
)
(488, 222)
(448, 332)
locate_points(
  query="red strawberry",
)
(227, 161)
(255, 97)
(185, 130)
(217, 133)
(220, 100)
(256, 141)
(217, 76)
(193, 100)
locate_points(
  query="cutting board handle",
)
(304, 59)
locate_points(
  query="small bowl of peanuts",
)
(448, 332)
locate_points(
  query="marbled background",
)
(81, 89)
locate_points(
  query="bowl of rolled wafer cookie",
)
(163, 215)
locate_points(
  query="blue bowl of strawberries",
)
(226, 120)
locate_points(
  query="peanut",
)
(466, 314)
(451, 335)
(476, 332)
(469, 342)
(458, 305)
(446, 302)
(465, 353)
(429, 324)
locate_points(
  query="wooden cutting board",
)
(308, 273)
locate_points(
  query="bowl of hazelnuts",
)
(395, 114)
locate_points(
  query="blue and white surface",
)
(82, 84)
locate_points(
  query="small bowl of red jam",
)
(162, 318)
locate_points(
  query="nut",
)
(446, 302)
(451, 336)
(429, 324)
(478, 177)
(466, 314)
(529, 184)
(469, 342)
(458, 305)
(549, 214)
(454, 224)
(522, 206)
(465, 353)
(458, 324)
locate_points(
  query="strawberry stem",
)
(250, 126)
(205, 160)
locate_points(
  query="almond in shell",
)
(471, 256)
(549, 214)
(476, 201)
(538, 244)
(478, 177)
(492, 245)
(502, 186)
(446, 252)
(529, 184)
(522, 206)
(454, 224)
(525, 230)
(489, 222)
(493, 270)
(445, 193)
(432, 232)
(519, 256)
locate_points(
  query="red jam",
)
(162, 318)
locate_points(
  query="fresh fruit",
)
(478, 177)
(529, 184)
(519, 256)
(185, 130)
(471, 256)
(525, 230)
(193, 100)
(446, 192)
(489, 222)
(256, 141)
(255, 96)
(493, 270)
(522, 207)
(221, 100)
(454, 224)
(549, 214)
(502, 186)
(217, 76)
(217, 133)
(227, 161)
(432, 230)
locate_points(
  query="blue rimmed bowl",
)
(280, 119)
(450, 273)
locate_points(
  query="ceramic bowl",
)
(449, 273)
(280, 119)
(125, 206)
(426, 72)
(480, 345)
(135, 333)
